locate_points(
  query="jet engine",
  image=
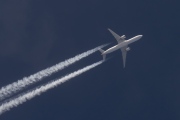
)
(123, 36)
(128, 49)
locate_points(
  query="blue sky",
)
(36, 34)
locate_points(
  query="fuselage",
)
(122, 44)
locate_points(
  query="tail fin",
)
(104, 55)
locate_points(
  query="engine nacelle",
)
(123, 36)
(128, 49)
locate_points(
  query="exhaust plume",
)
(10, 89)
(31, 94)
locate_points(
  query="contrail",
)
(31, 94)
(10, 89)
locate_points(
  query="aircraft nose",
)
(140, 36)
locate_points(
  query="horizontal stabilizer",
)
(101, 50)
(104, 55)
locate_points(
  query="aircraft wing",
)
(117, 37)
(124, 52)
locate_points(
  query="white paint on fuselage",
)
(122, 44)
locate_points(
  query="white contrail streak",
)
(10, 89)
(29, 95)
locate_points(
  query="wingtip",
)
(109, 29)
(124, 65)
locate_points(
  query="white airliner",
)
(122, 44)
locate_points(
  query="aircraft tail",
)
(104, 55)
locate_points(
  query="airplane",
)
(122, 44)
